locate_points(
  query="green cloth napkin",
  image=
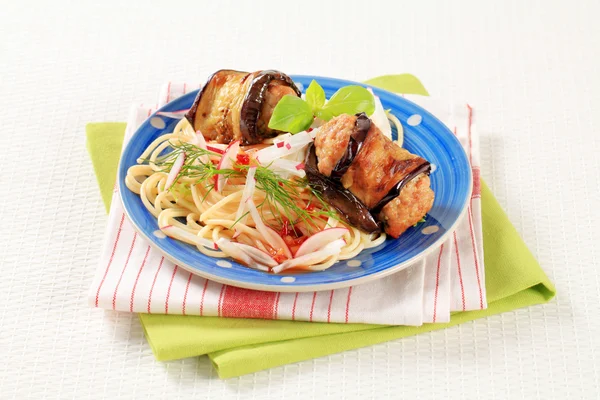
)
(514, 279)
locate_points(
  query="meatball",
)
(415, 200)
(332, 141)
(387, 179)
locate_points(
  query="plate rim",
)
(312, 287)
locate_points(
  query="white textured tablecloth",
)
(531, 68)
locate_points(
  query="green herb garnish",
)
(281, 195)
(348, 100)
(292, 114)
(315, 96)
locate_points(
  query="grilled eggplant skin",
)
(388, 181)
(265, 91)
(378, 168)
(216, 109)
(348, 206)
(236, 105)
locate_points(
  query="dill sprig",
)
(281, 195)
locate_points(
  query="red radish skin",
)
(331, 249)
(257, 254)
(214, 149)
(282, 149)
(320, 240)
(201, 142)
(280, 242)
(226, 162)
(175, 169)
(235, 251)
(272, 237)
(246, 194)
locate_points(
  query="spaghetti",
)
(250, 203)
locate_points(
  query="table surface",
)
(529, 67)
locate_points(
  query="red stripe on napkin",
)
(202, 298)
(476, 259)
(294, 307)
(437, 283)
(312, 307)
(154, 282)
(220, 300)
(246, 303)
(476, 194)
(329, 308)
(476, 183)
(137, 278)
(187, 288)
(348, 302)
(114, 300)
(275, 313)
(462, 287)
(169, 289)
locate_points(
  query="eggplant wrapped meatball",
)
(235, 105)
(389, 181)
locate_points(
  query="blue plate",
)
(429, 138)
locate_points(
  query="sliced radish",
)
(173, 114)
(331, 249)
(320, 240)
(175, 169)
(258, 255)
(187, 237)
(272, 237)
(277, 139)
(258, 266)
(246, 194)
(290, 166)
(233, 250)
(379, 117)
(281, 244)
(299, 139)
(291, 145)
(215, 148)
(201, 143)
(227, 163)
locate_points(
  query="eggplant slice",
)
(347, 204)
(235, 105)
(387, 180)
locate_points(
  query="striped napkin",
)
(132, 276)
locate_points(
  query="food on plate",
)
(235, 105)
(391, 182)
(277, 181)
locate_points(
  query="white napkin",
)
(132, 276)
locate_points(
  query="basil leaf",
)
(349, 100)
(291, 114)
(323, 114)
(315, 96)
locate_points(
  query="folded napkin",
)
(133, 276)
(238, 346)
